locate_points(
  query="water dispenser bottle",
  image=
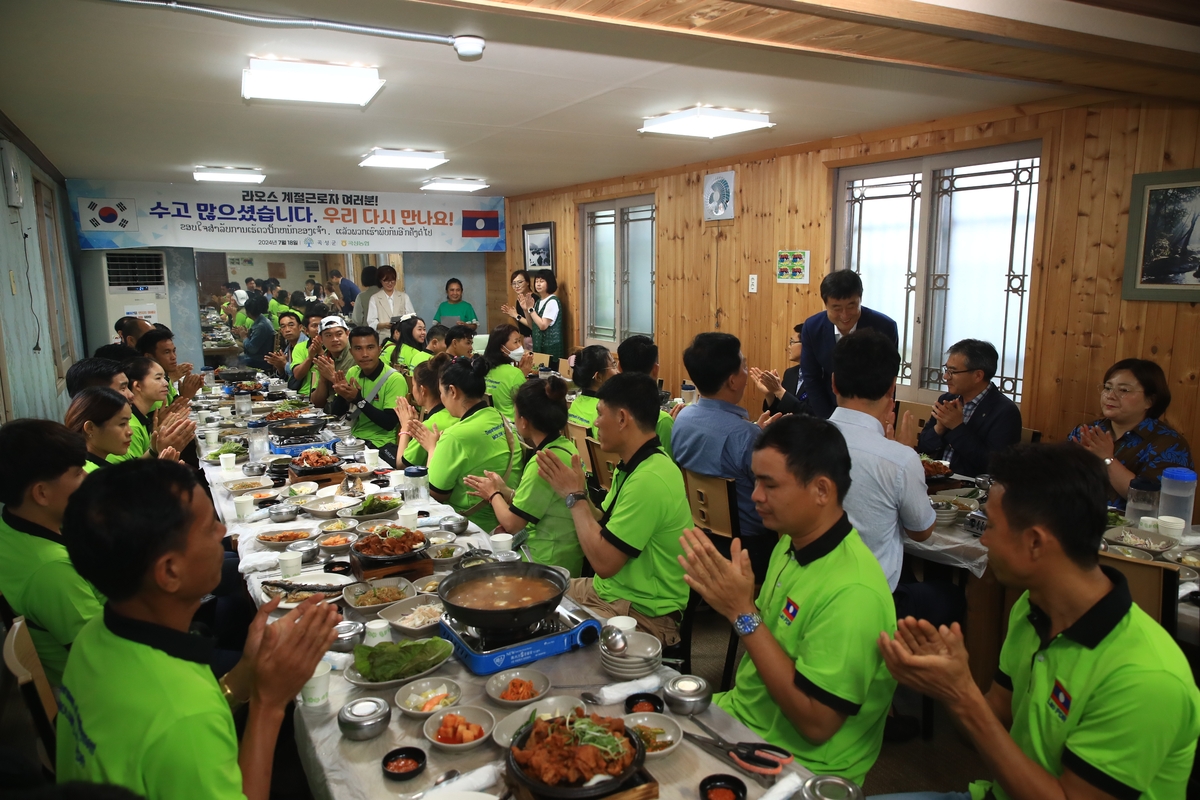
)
(1178, 494)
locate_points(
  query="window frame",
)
(57, 282)
(927, 166)
(619, 206)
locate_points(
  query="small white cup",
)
(501, 542)
(289, 565)
(243, 505)
(228, 461)
(371, 458)
(378, 631)
(1148, 524)
(227, 412)
(1173, 527)
(624, 624)
(407, 517)
(315, 691)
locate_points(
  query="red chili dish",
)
(402, 764)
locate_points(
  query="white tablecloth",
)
(951, 545)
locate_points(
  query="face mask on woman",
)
(516, 353)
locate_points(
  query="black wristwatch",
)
(575, 497)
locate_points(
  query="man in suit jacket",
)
(973, 419)
(841, 291)
(786, 395)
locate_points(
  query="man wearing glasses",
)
(973, 419)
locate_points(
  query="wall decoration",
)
(539, 245)
(1162, 247)
(792, 266)
(718, 196)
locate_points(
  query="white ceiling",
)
(111, 92)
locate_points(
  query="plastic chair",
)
(22, 661)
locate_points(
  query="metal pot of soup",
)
(502, 596)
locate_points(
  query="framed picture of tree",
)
(1162, 248)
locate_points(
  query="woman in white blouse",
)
(387, 303)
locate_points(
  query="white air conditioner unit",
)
(137, 285)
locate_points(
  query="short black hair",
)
(1059, 485)
(841, 284)
(369, 276)
(364, 332)
(315, 310)
(40, 450)
(148, 344)
(468, 375)
(453, 281)
(126, 326)
(548, 276)
(256, 305)
(1150, 375)
(590, 362)
(436, 332)
(335, 273)
(293, 314)
(543, 403)
(456, 333)
(979, 355)
(637, 393)
(813, 447)
(233, 286)
(865, 364)
(123, 518)
(91, 372)
(711, 359)
(119, 353)
(494, 353)
(637, 354)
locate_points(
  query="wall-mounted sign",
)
(792, 266)
(112, 215)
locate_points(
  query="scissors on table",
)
(760, 760)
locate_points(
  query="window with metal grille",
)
(944, 246)
(135, 269)
(618, 269)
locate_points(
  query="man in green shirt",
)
(371, 389)
(1092, 699)
(159, 345)
(36, 575)
(139, 706)
(304, 355)
(460, 341)
(640, 354)
(813, 682)
(335, 342)
(632, 541)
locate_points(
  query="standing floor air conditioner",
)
(137, 285)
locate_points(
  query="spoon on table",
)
(448, 775)
(613, 641)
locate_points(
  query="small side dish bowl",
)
(472, 714)
(415, 754)
(418, 688)
(498, 685)
(720, 781)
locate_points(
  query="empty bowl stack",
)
(642, 656)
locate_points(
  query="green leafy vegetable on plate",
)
(390, 661)
(229, 448)
(1115, 520)
(374, 504)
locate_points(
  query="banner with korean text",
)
(113, 215)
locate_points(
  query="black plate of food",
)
(623, 750)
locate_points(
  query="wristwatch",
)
(575, 497)
(746, 624)
(1108, 461)
(361, 403)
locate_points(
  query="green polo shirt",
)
(139, 425)
(438, 416)
(502, 384)
(552, 537)
(461, 309)
(645, 513)
(583, 410)
(39, 581)
(477, 443)
(299, 356)
(275, 308)
(663, 429)
(411, 356)
(140, 708)
(93, 463)
(825, 604)
(387, 351)
(385, 400)
(240, 320)
(1111, 698)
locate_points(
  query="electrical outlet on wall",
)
(753, 284)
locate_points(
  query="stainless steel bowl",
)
(284, 512)
(687, 694)
(307, 549)
(349, 633)
(254, 469)
(364, 718)
(453, 523)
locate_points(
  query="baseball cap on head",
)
(241, 296)
(333, 322)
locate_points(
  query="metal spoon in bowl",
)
(613, 641)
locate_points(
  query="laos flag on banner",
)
(481, 224)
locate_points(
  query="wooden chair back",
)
(714, 504)
(1154, 586)
(1029, 435)
(541, 360)
(919, 411)
(22, 661)
(603, 463)
(579, 435)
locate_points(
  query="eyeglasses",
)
(1119, 391)
(948, 370)
(793, 341)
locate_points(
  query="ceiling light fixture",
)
(403, 159)
(706, 122)
(229, 174)
(269, 79)
(453, 185)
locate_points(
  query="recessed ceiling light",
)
(453, 185)
(706, 122)
(403, 159)
(229, 174)
(269, 79)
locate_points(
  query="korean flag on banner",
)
(107, 214)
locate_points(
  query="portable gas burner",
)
(485, 652)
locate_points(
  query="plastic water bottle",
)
(1178, 494)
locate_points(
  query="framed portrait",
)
(539, 245)
(1162, 248)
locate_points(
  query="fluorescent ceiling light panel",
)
(453, 185)
(705, 122)
(269, 79)
(229, 175)
(403, 159)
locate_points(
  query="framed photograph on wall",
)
(1162, 248)
(539, 245)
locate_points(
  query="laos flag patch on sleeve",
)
(1060, 701)
(789, 611)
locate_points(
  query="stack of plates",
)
(350, 447)
(642, 656)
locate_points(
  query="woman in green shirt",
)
(545, 315)
(593, 366)
(429, 411)
(455, 311)
(505, 346)
(103, 416)
(478, 442)
(408, 336)
(541, 408)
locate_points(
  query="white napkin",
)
(617, 692)
(261, 561)
(784, 787)
(338, 661)
(474, 781)
(1187, 588)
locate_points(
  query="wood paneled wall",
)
(1078, 323)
